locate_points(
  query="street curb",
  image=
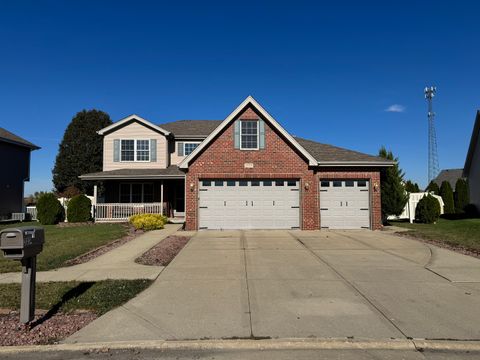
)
(249, 344)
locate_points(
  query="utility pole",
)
(433, 167)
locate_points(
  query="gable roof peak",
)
(133, 117)
(248, 100)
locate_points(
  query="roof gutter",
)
(129, 177)
(32, 147)
(355, 163)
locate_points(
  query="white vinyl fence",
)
(32, 211)
(410, 207)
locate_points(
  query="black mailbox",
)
(21, 243)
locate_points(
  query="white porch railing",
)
(110, 212)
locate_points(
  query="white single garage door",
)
(249, 204)
(344, 204)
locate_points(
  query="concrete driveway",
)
(284, 284)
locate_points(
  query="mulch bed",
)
(44, 330)
(439, 243)
(164, 252)
(132, 234)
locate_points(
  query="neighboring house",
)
(245, 172)
(450, 175)
(15, 155)
(471, 169)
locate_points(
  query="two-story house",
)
(243, 172)
(15, 154)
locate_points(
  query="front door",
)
(179, 202)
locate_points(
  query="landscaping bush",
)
(49, 210)
(427, 210)
(148, 221)
(433, 187)
(461, 195)
(446, 193)
(78, 209)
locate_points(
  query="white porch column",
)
(93, 211)
(161, 197)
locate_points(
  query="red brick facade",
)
(220, 160)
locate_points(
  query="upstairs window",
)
(135, 150)
(188, 148)
(143, 150)
(128, 150)
(248, 135)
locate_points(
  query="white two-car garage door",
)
(249, 204)
(344, 204)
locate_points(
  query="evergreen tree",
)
(393, 192)
(462, 197)
(80, 151)
(411, 187)
(446, 193)
(433, 187)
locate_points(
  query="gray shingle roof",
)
(450, 175)
(7, 136)
(321, 152)
(186, 128)
(171, 171)
(329, 153)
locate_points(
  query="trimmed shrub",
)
(446, 193)
(148, 221)
(472, 211)
(78, 209)
(461, 195)
(433, 187)
(427, 210)
(49, 210)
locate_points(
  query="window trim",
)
(258, 134)
(130, 184)
(135, 150)
(188, 142)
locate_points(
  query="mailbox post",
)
(24, 244)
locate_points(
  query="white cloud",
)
(395, 108)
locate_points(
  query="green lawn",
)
(64, 243)
(99, 297)
(464, 233)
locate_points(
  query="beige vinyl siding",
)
(134, 131)
(174, 157)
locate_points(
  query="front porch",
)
(122, 199)
(120, 194)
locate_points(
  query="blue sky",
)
(326, 71)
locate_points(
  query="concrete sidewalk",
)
(302, 284)
(118, 263)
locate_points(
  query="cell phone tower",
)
(430, 92)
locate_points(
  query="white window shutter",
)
(180, 148)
